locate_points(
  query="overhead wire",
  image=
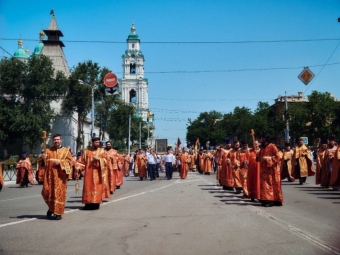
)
(190, 42)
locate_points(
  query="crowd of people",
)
(255, 172)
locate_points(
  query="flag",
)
(178, 143)
(52, 12)
(197, 144)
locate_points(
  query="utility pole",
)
(129, 133)
(140, 134)
(286, 118)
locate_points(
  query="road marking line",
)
(18, 198)
(112, 201)
(295, 230)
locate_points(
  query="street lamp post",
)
(92, 107)
(129, 136)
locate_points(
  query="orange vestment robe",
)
(39, 176)
(234, 157)
(55, 179)
(126, 167)
(112, 169)
(23, 168)
(192, 165)
(141, 165)
(184, 167)
(200, 158)
(245, 157)
(253, 177)
(1, 178)
(335, 176)
(305, 161)
(96, 184)
(226, 172)
(321, 170)
(119, 172)
(286, 166)
(208, 162)
(269, 159)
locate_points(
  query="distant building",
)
(279, 107)
(133, 86)
(66, 125)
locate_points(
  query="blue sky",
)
(253, 50)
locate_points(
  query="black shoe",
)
(252, 200)
(277, 203)
(58, 217)
(117, 187)
(268, 204)
(49, 214)
(111, 192)
(245, 196)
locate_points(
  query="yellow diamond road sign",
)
(306, 75)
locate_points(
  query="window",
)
(133, 97)
(133, 68)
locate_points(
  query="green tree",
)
(298, 118)
(321, 109)
(206, 128)
(29, 88)
(84, 77)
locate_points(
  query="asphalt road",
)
(191, 216)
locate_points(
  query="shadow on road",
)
(39, 217)
(74, 207)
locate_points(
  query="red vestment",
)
(226, 173)
(24, 171)
(39, 175)
(141, 165)
(96, 184)
(234, 157)
(335, 176)
(184, 167)
(208, 162)
(55, 179)
(126, 167)
(269, 159)
(253, 177)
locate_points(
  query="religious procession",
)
(256, 172)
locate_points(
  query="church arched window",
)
(133, 68)
(133, 98)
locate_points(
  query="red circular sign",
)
(110, 80)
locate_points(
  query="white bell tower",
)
(133, 85)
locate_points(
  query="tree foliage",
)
(27, 89)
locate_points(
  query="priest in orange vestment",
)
(95, 163)
(234, 161)
(269, 158)
(253, 177)
(112, 166)
(58, 165)
(286, 164)
(24, 171)
(226, 172)
(39, 175)
(141, 164)
(302, 162)
(1, 177)
(126, 166)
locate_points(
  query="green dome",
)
(38, 48)
(20, 53)
(133, 37)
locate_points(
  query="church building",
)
(133, 86)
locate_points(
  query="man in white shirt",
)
(152, 161)
(169, 159)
